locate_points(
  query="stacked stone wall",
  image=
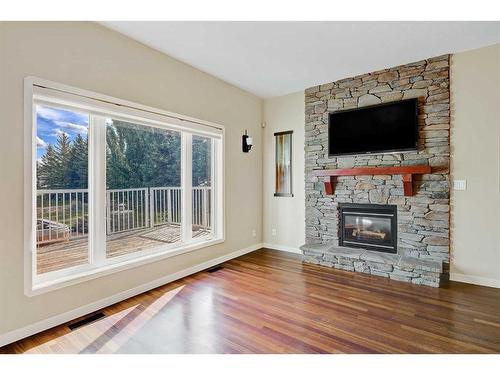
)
(423, 219)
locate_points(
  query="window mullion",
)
(213, 185)
(97, 189)
(186, 186)
(218, 187)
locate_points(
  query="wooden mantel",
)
(406, 171)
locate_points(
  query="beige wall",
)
(475, 142)
(285, 214)
(89, 56)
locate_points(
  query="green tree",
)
(136, 157)
(47, 178)
(201, 161)
(63, 152)
(117, 166)
(76, 170)
(142, 156)
(167, 159)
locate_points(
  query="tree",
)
(63, 153)
(117, 166)
(141, 157)
(76, 171)
(136, 157)
(201, 161)
(167, 159)
(47, 177)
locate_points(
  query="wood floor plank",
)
(270, 302)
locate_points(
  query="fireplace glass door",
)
(369, 226)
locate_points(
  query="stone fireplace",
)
(418, 250)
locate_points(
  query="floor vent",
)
(89, 319)
(215, 269)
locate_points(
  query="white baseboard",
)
(471, 279)
(289, 249)
(45, 324)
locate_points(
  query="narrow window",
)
(202, 192)
(62, 200)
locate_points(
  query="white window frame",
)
(100, 106)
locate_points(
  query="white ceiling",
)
(276, 58)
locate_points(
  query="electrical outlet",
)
(460, 184)
(254, 233)
(274, 232)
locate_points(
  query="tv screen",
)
(390, 127)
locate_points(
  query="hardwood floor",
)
(269, 302)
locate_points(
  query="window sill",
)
(86, 273)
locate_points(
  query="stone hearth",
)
(422, 219)
(396, 267)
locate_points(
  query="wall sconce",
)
(246, 142)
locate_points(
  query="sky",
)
(53, 121)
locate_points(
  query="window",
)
(202, 148)
(62, 203)
(143, 187)
(114, 184)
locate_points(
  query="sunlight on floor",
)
(107, 335)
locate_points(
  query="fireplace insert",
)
(369, 226)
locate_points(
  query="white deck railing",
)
(63, 213)
(126, 209)
(202, 207)
(165, 205)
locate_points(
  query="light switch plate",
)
(460, 184)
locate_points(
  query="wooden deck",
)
(75, 252)
(270, 302)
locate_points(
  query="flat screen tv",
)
(382, 128)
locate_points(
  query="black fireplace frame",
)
(373, 210)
